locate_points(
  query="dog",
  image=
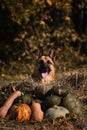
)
(44, 69)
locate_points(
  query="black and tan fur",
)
(44, 70)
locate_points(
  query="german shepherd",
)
(44, 70)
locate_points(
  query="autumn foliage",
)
(25, 24)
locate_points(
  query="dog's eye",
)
(48, 62)
(41, 62)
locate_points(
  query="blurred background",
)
(27, 24)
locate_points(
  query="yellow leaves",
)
(58, 4)
(14, 88)
(67, 18)
(74, 37)
(50, 2)
(3, 75)
(42, 22)
(67, 6)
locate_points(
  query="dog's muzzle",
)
(44, 70)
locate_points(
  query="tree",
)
(48, 23)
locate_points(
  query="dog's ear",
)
(52, 54)
(38, 52)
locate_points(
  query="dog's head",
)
(44, 70)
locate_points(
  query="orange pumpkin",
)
(20, 112)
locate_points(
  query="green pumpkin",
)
(57, 112)
(52, 100)
(73, 104)
(60, 90)
(26, 98)
(40, 91)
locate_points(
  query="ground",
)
(75, 81)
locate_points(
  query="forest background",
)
(27, 24)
